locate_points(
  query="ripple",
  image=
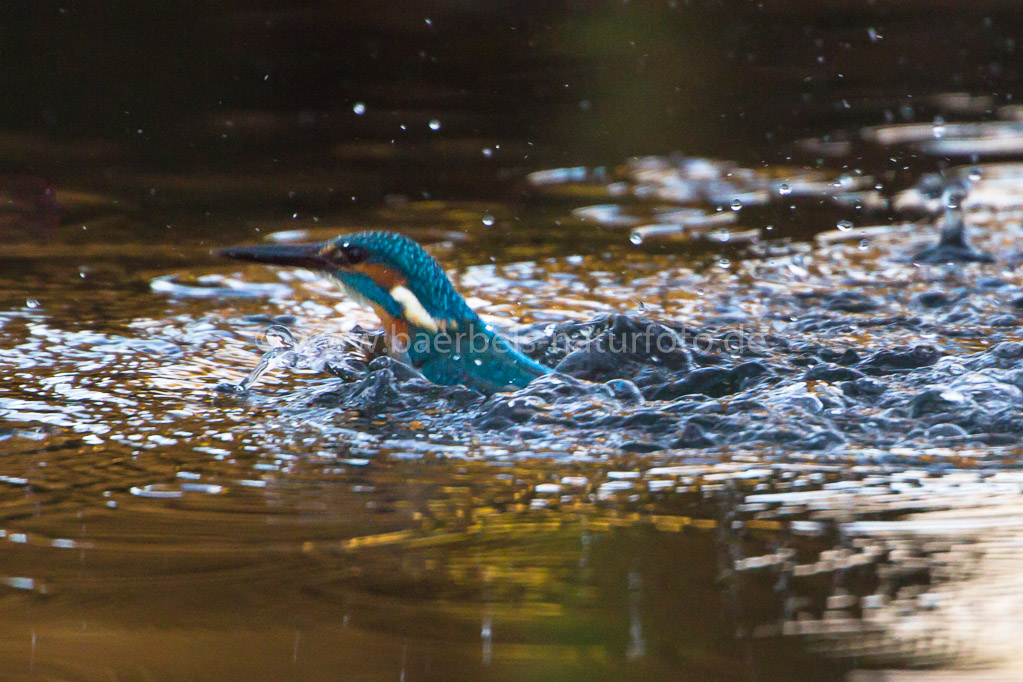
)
(217, 286)
(991, 138)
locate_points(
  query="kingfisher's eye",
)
(352, 255)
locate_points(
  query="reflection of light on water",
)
(971, 611)
(947, 577)
(637, 643)
(487, 636)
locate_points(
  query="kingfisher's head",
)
(390, 272)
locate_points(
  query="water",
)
(201, 477)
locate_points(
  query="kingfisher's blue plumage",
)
(426, 319)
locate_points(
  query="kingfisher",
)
(426, 321)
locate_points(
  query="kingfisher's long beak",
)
(309, 256)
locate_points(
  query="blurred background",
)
(301, 106)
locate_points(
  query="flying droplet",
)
(359, 108)
(844, 225)
(874, 35)
(939, 127)
(975, 174)
(488, 152)
(784, 190)
(736, 205)
(434, 124)
(32, 303)
(636, 238)
(488, 220)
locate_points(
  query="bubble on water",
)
(736, 205)
(864, 244)
(938, 127)
(488, 152)
(359, 108)
(975, 174)
(488, 220)
(434, 124)
(724, 263)
(784, 190)
(844, 225)
(636, 238)
(32, 303)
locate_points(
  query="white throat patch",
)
(414, 310)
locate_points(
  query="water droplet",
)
(32, 303)
(784, 190)
(434, 124)
(736, 205)
(359, 108)
(724, 263)
(843, 181)
(488, 220)
(975, 174)
(864, 244)
(641, 307)
(844, 225)
(636, 238)
(488, 152)
(939, 127)
(722, 235)
(874, 35)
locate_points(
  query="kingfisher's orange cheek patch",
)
(385, 277)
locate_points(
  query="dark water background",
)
(152, 528)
